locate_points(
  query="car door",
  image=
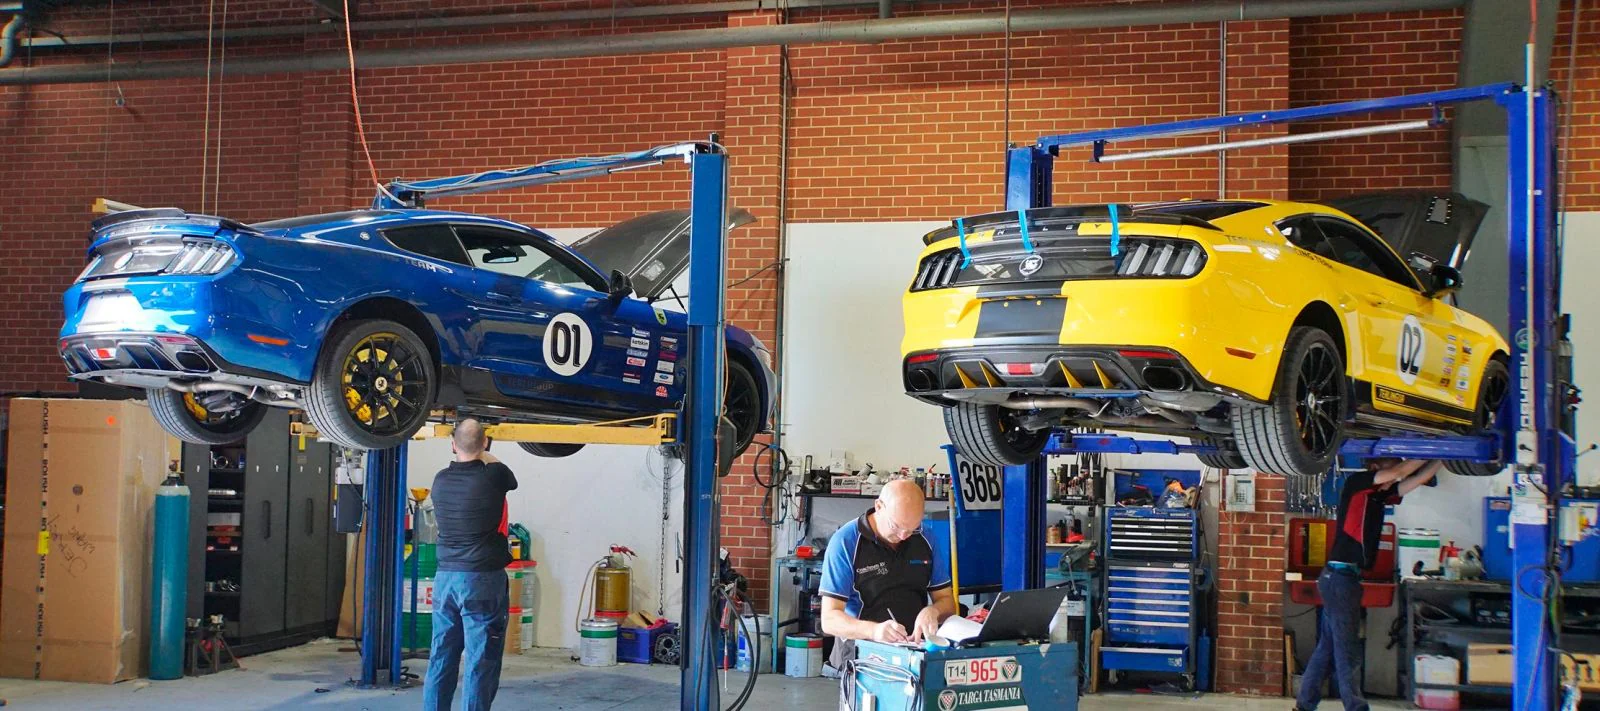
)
(1410, 340)
(571, 341)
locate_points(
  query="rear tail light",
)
(207, 257)
(938, 270)
(1023, 368)
(922, 358)
(1161, 258)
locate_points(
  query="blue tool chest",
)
(1150, 581)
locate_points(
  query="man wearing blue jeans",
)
(471, 597)
(1355, 547)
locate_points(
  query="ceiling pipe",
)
(452, 22)
(855, 31)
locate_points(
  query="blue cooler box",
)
(1583, 566)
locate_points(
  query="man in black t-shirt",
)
(471, 597)
(1355, 548)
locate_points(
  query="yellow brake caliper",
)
(368, 352)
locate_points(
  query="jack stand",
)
(208, 651)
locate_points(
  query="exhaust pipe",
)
(258, 394)
(1044, 402)
(920, 380)
(1165, 377)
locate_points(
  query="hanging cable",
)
(222, 73)
(355, 105)
(1568, 102)
(205, 130)
(1005, 140)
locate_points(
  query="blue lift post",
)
(385, 487)
(1543, 455)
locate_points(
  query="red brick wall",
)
(1355, 57)
(1582, 180)
(1251, 547)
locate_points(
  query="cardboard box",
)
(844, 484)
(1490, 664)
(80, 489)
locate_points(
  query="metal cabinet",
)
(310, 495)
(1150, 591)
(266, 492)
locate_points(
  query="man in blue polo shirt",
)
(880, 578)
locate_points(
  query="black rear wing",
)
(1068, 215)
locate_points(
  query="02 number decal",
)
(979, 485)
(1413, 347)
(568, 344)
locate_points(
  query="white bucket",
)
(761, 624)
(802, 656)
(1437, 669)
(598, 647)
(1418, 545)
(524, 622)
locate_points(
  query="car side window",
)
(1303, 233)
(507, 252)
(1357, 248)
(435, 240)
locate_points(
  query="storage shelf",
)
(814, 495)
(1074, 501)
(229, 470)
(1474, 688)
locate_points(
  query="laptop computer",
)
(1015, 615)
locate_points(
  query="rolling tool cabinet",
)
(1151, 593)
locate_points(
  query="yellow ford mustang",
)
(1269, 329)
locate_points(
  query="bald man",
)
(471, 599)
(880, 578)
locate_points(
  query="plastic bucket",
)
(761, 624)
(1437, 669)
(802, 655)
(1418, 545)
(598, 644)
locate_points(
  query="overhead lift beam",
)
(708, 235)
(1530, 435)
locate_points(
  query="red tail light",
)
(922, 358)
(1138, 353)
(1019, 368)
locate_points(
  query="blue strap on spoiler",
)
(961, 232)
(1116, 232)
(1022, 220)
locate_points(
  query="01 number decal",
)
(568, 344)
(979, 485)
(1413, 347)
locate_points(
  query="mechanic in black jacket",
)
(471, 594)
(1355, 548)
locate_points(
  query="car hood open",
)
(652, 249)
(1440, 225)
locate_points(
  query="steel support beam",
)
(1538, 473)
(381, 585)
(708, 233)
(854, 31)
(1022, 522)
(1029, 172)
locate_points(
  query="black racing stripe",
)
(1395, 397)
(1010, 318)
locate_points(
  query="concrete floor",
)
(316, 676)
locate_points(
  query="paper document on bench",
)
(956, 629)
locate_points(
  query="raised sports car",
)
(1271, 330)
(375, 321)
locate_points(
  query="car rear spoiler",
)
(164, 214)
(1067, 215)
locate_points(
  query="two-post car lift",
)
(1541, 454)
(386, 470)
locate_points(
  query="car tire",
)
(176, 412)
(1226, 457)
(371, 407)
(985, 433)
(741, 405)
(1311, 385)
(550, 450)
(1492, 390)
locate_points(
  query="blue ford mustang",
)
(375, 321)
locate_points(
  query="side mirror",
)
(1443, 280)
(620, 286)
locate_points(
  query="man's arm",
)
(841, 624)
(1397, 472)
(1410, 483)
(941, 607)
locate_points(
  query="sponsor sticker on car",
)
(636, 362)
(663, 378)
(630, 378)
(664, 366)
(668, 356)
(661, 391)
(669, 343)
(639, 344)
(638, 353)
(661, 316)
(640, 333)
(1463, 384)
(568, 342)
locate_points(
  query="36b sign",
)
(979, 485)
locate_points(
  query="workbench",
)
(1451, 595)
(997, 675)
